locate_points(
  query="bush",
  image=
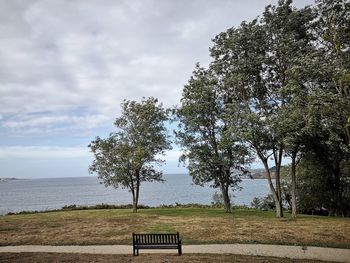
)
(264, 203)
(256, 203)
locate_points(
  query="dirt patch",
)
(194, 258)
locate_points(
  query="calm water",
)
(43, 194)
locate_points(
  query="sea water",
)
(54, 193)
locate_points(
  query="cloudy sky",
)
(65, 67)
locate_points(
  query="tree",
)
(206, 134)
(293, 125)
(316, 186)
(326, 143)
(127, 157)
(317, 112)
(255, 60)
(327, 138)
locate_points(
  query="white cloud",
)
(43, 152)
(58, 56)
(44, 123)
(65, 67)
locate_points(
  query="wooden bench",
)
(156, 241)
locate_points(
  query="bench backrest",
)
(155, 238)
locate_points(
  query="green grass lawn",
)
(196, 226)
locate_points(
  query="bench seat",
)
(156, 241)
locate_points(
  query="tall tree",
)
(292, 123)
(127, 157)
(214, 154)
(329, 109)
(326, 140)
(255, 60)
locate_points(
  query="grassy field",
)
(196, 226)
(191, 258)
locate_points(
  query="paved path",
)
(296, 252)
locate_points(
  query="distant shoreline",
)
(6, 179)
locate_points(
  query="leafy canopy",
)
(127, 157)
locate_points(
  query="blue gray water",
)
(54, 193)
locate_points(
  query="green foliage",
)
(334, 35)
(127, 157)
(317, 186)
(266, 203)
(258, 64)
(212, 151)
(256, 202)
(280, 85)
(327, 151)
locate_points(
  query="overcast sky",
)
(65, 67)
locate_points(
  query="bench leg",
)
(180, 250)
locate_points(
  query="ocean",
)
(54, 193)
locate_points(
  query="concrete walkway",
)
(295, 252)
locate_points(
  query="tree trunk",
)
(132, 190)
(279, 210)
(336, 192)
(137, 194)
(134, 202)
(276, 198)
(278, 162)
(135, 190)
(293, 192)
(226, 197)
(134, 206)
